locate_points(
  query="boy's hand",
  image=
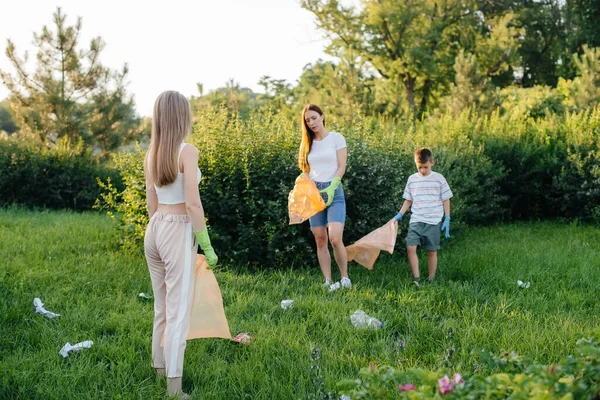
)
(446, 226)
(398, 216)
(330, 190)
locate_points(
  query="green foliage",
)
(535, 102)
(542, 44)
(65, 177)
(471, 89)
(70, 95)
(583, 91)
(579, 180)
(414, 45)
(575, 377)
(498, 168)
(249, 167)
(6, 121)
(233, 97)
(126, 204)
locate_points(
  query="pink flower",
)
(407, 387)
(446, 385)
(458, 379)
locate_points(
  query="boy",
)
(428, 195)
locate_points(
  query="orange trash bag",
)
(366, 250)
(207, 318)
(304, 200)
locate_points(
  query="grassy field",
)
(71, 262)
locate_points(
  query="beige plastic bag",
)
(304, 200)
(366, 250)
(207, 318)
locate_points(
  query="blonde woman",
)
(176, 227)
(322, 157)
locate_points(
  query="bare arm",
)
(447, 207)
(151, 197)
(342, 156)
(405, 206)
(191, 194)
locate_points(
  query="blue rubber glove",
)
(398, 216)
(446, 226)
(330, 190)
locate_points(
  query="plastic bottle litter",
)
(285, 304)
(523, 285)
(361, 320)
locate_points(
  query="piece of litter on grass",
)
(285, 304)
(145, 296)
(39, 308)
(523, 285)
(334, 287)
(361, 320)
(243, 338)
(69, 348)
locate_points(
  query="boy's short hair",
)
(423, 155)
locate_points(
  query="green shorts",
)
(426, 235)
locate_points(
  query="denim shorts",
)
(336, 212)
(426, 235)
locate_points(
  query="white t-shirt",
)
(323, 158)
(427, 194)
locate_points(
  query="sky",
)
(173, 45)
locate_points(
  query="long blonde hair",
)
(171, 123)
(307, 138)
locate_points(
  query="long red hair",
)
(307, 138)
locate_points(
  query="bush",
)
(249, 167)
(62, 178)
(576, 377)
(499, 169)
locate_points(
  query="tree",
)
(581, 28)
(472, 88)
(415, 43)
(233, 97)
(70, 95)
(541, 46)
(6, 121)
(583, 91)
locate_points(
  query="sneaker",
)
(415, 282)
(334, 287)
(327, 283)
(346, 282)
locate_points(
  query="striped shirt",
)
(427, 194)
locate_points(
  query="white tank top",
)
(173, 192)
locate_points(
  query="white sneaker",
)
(327, 283)
(334, 287)
(346, 283)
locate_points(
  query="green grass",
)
(71, 262)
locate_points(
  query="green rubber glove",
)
(330, 190)
(209, 252)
